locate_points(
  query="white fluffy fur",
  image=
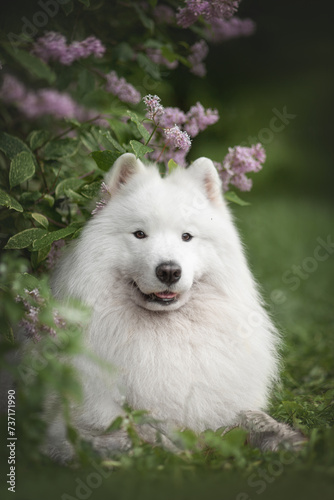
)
(197, 363)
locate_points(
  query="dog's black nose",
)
(168, 272)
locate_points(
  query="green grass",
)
(278, 233)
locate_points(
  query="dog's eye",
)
(140, 235)
(186, 237)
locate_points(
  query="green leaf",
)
(105, 159)
(48, 199)
(91, 191)
(172, 165)
(24, 238)
(41, 219)
(120, 129)
(141, 129)
(86, 82)
(73, 196)
(232, 196)
(61, 148)
(140, 149)
(124, 52)
(146, 21)
(37, 138)
(168, 54)
(33, 64)
(148, 66)
(42, 254)
(49, 238)
(113, 142)
(9, 202)
(85, 2)
(115, 425)
(11, 145)
(70, 183)
(89, 140)
(22, 168)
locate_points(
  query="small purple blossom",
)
(198, 53)
(174, 129)
(212, 9)
(154, 109)
(172, 116)
(177, 139)
(31, 323)
(52, 46)
(198, 119)
(35, 104)
(239, 161)
(12, 90)
(221, 30)
(121, 88)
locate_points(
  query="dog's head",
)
(160, 236)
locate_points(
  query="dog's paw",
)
(268, 434)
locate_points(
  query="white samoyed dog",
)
(175, 311)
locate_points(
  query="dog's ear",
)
(123, 169)
(204, 171)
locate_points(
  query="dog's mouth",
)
(165, 298)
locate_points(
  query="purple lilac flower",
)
(122, 89)
(31, 323)
(12, 90)
(172, 116)
(208, 9)
(172, 138)
(156, 56)
(177, 139)
(153, 107)
(239, 161)
(52, 46)
(198, 53)
(221, 30)
(164, 14)
(35, 104)
(58, 320)
(198, 119)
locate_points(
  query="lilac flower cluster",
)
(194, 121)
(121, 88)
(198, 119)
(174, 128)
(237, 163)
(198, 53)
(31, 323)
(104, 199)
(208, 9)
(53, 47)
(34, 104)
(177, 139)
(221, 30)
(154, 110)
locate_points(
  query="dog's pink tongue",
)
(165, 295)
